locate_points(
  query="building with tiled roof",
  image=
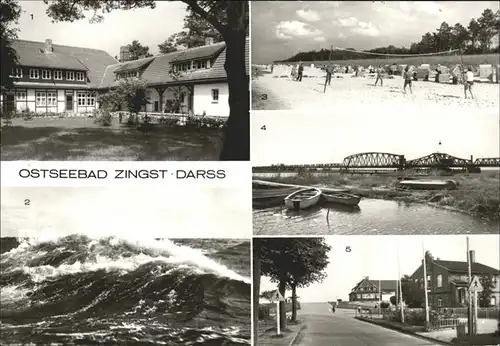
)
(370, 290)
(56, 78)
(447, 281)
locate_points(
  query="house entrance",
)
(69, 102)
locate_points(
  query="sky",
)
(129, 211)
(119, 28)
(350, 131)
(296, 26)
(377, 258)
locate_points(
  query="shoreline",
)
(476, 196)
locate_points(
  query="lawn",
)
(80, 139)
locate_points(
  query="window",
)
(70, 75)
(90, 99)
(46, 74)
(80, 76)
(17, 73)
(440, 280)
(40, 98)
(182, 97)
(440, 302)
(51, 98)
(82, 97)
(21, 96)
(215, 95)
(493, 301)
(34, 73)
(58, 75)
(428, 281)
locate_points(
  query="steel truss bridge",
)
(385, 161)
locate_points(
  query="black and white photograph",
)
(381, 54)
(376, 290)
(327, 173)
(148, 212)
(137, 80)
(124, 290)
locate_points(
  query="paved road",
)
(341, 329)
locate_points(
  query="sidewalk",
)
(286, 338)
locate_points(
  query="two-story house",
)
(447, 281)
(56, 78)
(367, 290)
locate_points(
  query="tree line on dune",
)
(476, 38)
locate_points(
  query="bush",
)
(384, 305)
(103, 118)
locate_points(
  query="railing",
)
(488, 313)
(444, 323)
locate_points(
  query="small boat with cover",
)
(302, 199)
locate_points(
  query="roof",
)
(200, 52)
(462, 267)
(31, 53)
(134, 64)
(385, 285)
(157, 71)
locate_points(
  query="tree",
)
(132, 92)
(488, 28)
(393, 300)
(196, 30)
(10, 12)
(230, 19)
(460, 37)
(474, 29)
(412, 292)
(293, 263)
(138, 51)
(488, 286)
(257, 250)
(170, 44)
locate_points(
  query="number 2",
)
(27, 202)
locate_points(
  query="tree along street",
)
(325, 328)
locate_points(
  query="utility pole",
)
(400, 288)
(425, 287)
(470, 325)
(379, 298)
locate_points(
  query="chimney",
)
(48, 46)
(209, 41)
(472, 256)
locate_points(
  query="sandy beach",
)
(283, 93)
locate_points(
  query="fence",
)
(487, 313)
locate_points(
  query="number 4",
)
(263, 127)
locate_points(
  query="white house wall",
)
(203, 99)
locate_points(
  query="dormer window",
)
(192, 65)
(46, 74)
(80, 76)
(70, 75)
(58, 75)
(34, 73)
(17, 73)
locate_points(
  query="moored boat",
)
(341, 198)
(428, 184)
(303, 199)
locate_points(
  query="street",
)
(341, 329)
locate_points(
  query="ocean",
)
(116, 291)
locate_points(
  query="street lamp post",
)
(400, 287)
(425, 287)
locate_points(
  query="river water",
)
(374, 217)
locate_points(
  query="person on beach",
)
(301, 70)
(379, 76)
(407, 75)
(469, 82)
(329, 72)
(272, 68)
(347, 69)
(294, 72)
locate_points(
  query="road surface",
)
(341, 329)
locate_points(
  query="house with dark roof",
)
(56, 78)
(447, 281)
(369, 290)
